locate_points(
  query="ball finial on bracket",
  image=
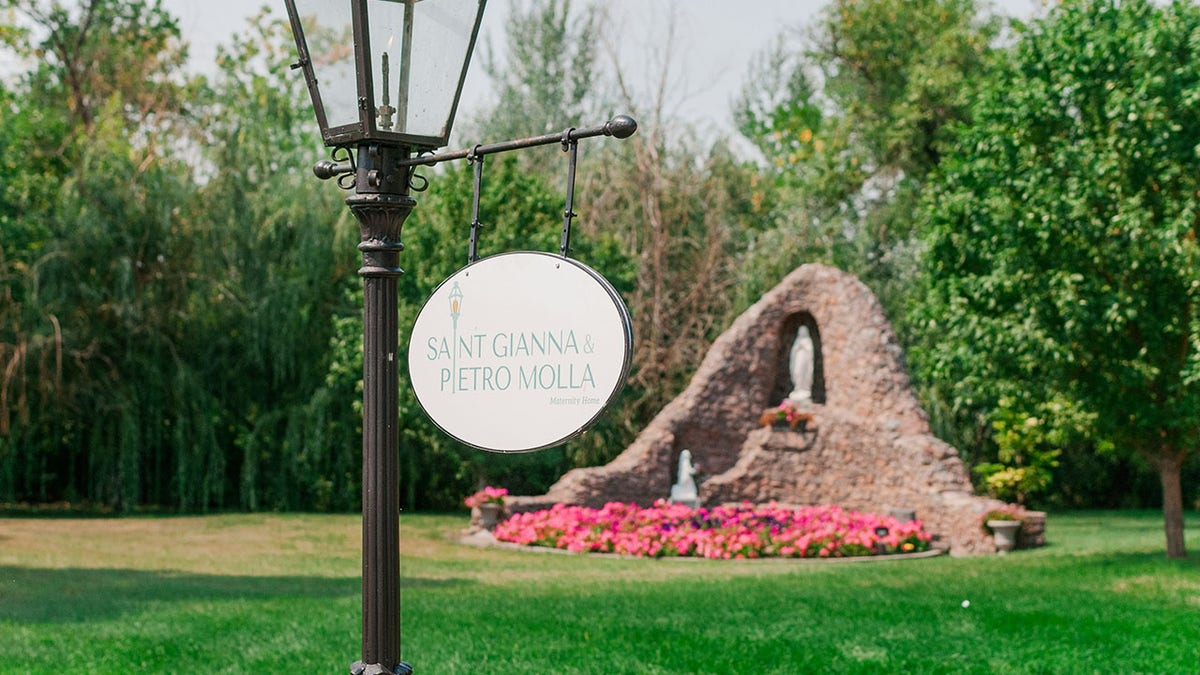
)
(621, 126)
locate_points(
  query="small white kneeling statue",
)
(684, 490)
(801, 367)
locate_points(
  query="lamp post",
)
(456, 296)
(347, 51)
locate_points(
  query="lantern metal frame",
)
(367, 128)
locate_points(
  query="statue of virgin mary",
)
(800, 366)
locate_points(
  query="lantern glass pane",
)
(329, 34)
(425, 44)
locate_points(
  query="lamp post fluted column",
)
(381, 204)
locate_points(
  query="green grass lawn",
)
(280, 593)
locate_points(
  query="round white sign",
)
(520, 351)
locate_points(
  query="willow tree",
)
(278, 277)
(162, 336)
(1062, 261)
(92, 276)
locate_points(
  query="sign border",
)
(627, 361)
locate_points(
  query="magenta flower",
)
(488, 495)
(743, 531)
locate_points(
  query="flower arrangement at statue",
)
(786, 412)
(724, 532)
(488, 495)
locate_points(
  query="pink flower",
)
(488, 495)
(742, 531)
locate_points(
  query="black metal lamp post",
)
(385, 77)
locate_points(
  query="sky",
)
(708, 55)
(709, 60)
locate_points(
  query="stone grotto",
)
(866, 446)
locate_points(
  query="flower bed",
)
(724, 532)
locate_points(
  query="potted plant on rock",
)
(490, 502)
(1003, 524)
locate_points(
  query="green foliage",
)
(779, 110)
(100, 51)
(901, 75)
(90, 266)
(180, 319)
(545, 80)
(280, 285)
(1029, 444)
(1090, 264)
(167, 324)
(850, 122)
(1062, 257)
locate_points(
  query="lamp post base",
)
(360, 668)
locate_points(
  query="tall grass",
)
(237, 593)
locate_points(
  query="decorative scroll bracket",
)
(620, 127)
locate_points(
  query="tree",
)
(1062, 256)
(853, 118)
(545, 80)
(899, 75)
(168, 277)
(106, 49)
(779, 112)
(95, 279)
(275, 282)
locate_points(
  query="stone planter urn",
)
(1004, 534)
(489, 515)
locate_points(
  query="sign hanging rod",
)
(621, 126)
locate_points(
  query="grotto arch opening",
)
(789, 328)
